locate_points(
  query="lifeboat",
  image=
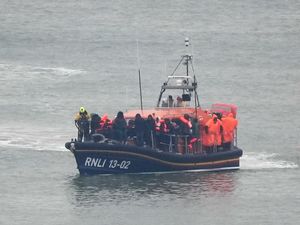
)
(180, 142)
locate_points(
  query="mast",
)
(187, 43)
(188, 59)
(186, 82)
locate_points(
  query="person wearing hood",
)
(140, 127)
(213, 131)
(83, 125)
(119, 126)
(229, 124)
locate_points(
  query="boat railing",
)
(235, 137)
(174, 143)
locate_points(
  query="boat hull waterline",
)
(102, 158)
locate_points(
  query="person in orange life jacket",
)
(83, 125)
(139, 124)
(106, 126)
(162, 131)
(186, 124)
(185, 129)
(214, 129)
(206, 140)
(166, 131)
(103, 121)
(157, 124)
(119, 126)
(160, 126)
(229, 125)
(193, 143)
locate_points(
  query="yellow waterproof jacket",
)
(79, 116)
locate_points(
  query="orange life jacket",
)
(192, 142)
(185, 121)
(206, 139)
(214, 131)
(229, 124)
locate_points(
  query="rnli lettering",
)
(102, 163)
(95, 162)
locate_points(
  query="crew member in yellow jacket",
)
(82, 122)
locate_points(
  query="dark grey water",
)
(57, 56)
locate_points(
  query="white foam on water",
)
(33, 145)
(33, 141)
(61, 71)
(10, 71)
(265, 161)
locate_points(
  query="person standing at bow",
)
(83, 125)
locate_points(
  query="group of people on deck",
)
(152, 131)
(219, 131)
(171, 103)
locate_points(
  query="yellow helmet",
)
(82, 110)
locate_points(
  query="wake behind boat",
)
(176, 135)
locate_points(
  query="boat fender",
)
(72, 147)
(98, 138)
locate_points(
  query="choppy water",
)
(56, 56)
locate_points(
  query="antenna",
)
(187, 42)
(139, 70)
(187, 56)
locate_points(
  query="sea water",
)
(56, 56)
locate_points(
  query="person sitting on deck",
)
(119, 126)
(83, 125)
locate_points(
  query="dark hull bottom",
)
(102, 158)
